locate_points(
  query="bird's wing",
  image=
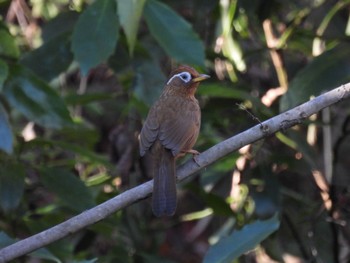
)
(149, 131)
(180, 132)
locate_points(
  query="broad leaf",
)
(61, 24)
(149, 81)
(5, 240)
(325, 72)
(51, 58)
(95, 34)
(130, 12)
(174, 34)
(239, 242)
(11, 185)
(35, 99)
(6, 140)
(69, 188)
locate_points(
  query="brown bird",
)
(170, 131)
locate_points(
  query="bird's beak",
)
(201, 77)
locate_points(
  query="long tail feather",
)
(164, 187)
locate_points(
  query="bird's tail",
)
(164, 185)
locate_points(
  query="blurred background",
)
(77, 78)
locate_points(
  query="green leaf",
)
(241, 241)
(95, 34)
(220, 91)
(44, 253)
(61, 24)
(174, 34)
(325, 72)
(51, 59)
(69, 188)
(4, 70)
(149, 81)
(5, 240)
(11, 185)
(8, 47)
(130, 12)
(215, 202)
(6, 142)
(35, 99)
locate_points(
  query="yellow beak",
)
(201, 77)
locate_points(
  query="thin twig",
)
(93, 215)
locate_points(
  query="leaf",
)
(220, 91)
(215, 202)
(149, 81)
(5, 240)
(11, 185)
(325, 72)
(241, 241)
(4, 70)
(8, 47)
(51, 59)
(6, 141)
(174, 34)
(61, 24)
(130, 12)
(69, 189)
(44, 253)
(35, 99)
(95, 34)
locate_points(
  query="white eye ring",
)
(184, 76)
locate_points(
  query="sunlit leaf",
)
(70, 190)
(96, 34)
(130, 12)
(51, 58)
(35, 99)
(174, 34)
(11, 185)
(324, 73)
(6, 141)
(241, 241)
(8, 47)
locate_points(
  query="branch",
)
(282, 121)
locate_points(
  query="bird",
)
(169, 132)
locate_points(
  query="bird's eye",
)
(185, 76)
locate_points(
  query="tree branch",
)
(282, 121)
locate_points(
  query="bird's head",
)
(185, 80)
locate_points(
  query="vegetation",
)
(78, 77)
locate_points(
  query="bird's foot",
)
(194, 155)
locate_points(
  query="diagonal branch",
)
(280, 122)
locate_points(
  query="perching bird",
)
(170, 131)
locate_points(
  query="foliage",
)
(77, 79)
